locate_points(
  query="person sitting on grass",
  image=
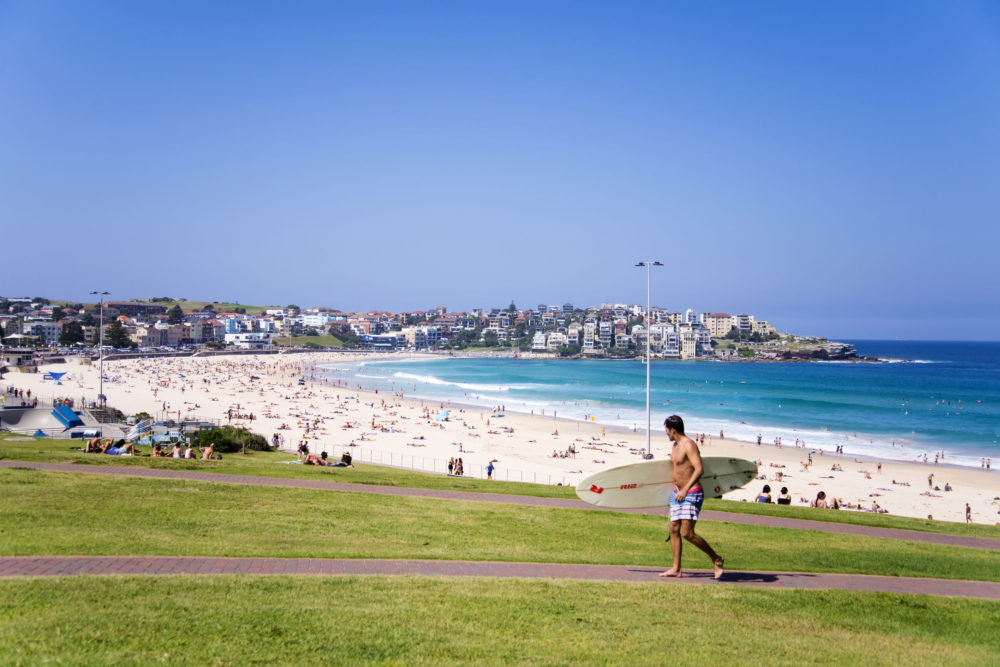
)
(177, 452)
(784, 498)
(765, 494)
(93, 445)
(120, 448)
(207, 453)
(158, 451)
(820, 500)
(189, 452)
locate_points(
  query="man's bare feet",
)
(719, 563)
(672, 572)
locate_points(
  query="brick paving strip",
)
(564, 503)
(60, 566)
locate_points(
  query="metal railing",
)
(415, 462)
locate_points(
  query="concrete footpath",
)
(64, 566)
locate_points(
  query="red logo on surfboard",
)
(596, 489)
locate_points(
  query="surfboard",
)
(649, 483)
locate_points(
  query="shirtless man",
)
(686, 500)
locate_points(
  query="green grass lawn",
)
(55, 513)
(413, 620)
(268, 464)
(311, 341)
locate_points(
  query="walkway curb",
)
(62, 566)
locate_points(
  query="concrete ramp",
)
(66, 416)
(30, 419)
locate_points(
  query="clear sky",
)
(833, 168)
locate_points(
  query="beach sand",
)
(397, 430)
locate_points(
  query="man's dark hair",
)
(676, 423)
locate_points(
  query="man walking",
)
(687, 497)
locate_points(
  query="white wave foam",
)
(468, 386)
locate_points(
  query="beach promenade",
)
(53, 566)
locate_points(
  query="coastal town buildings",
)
(612, 329)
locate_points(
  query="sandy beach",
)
(396, 430)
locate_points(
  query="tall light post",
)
(100, 336)
(649, 447)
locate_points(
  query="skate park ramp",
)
(38, 421)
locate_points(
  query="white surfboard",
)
(649, 483)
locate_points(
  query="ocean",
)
(924, 397)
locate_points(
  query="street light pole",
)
(100, 337)
(649, 447)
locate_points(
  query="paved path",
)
(50, 566)
(565, 503)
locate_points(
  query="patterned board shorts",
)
(689, 508)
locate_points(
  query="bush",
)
(229, 439)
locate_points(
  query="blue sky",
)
(830, 167)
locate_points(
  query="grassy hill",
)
(311, 341)
(420, 620)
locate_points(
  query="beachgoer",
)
(120, 448)
(189, 452)
(489, 470)
(765, 494)
(820, 500)
(784, 498)
(177, 452)
(687, 497)
(968, 513)
(207, 453)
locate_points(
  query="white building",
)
(556, 340)
(254, 340)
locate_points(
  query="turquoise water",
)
(924, 398)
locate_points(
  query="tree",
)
(57, 314)
(89, 320)
(490, 338)
(175, 315)
(209, 308)
(292, 306)
(116, 336)
(71, 334)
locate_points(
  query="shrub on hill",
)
(229, 439)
